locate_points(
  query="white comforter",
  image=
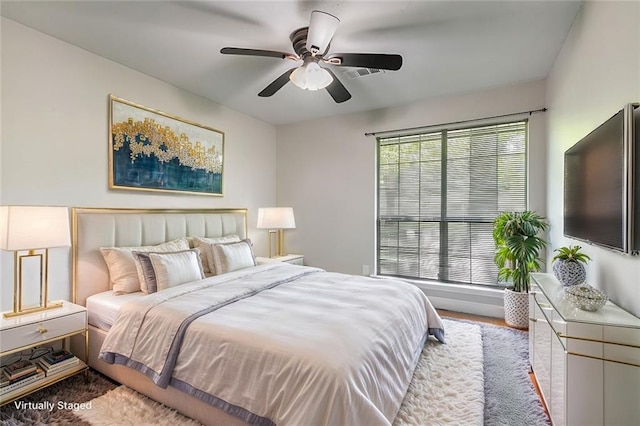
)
(284, 344)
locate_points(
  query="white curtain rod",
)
(431, 127)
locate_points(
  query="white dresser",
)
(587, 364)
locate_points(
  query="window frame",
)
(443, 254)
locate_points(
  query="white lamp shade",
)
(276, 218)
(33, 227)
(311, 77)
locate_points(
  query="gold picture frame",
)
(151, 150)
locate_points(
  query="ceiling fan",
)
(311, 45)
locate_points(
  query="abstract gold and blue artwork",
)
(154, 151)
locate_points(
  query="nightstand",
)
(25, 332)
(294, 259)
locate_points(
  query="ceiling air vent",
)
(361, 72)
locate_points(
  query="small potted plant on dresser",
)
(518, 247)
(568, 265)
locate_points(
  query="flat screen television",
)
(602, 184)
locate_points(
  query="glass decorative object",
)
(586, 297)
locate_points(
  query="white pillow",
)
(124, 275)
(204, 244)
(232, 256)
(172, 269)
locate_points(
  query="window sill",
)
(460, 297)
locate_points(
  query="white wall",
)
(326, 169)
(595, 74)
(54, 138)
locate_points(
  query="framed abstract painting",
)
(154, 151)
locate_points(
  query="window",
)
(437, 196)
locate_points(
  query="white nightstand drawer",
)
(294, 259)
(35, 332)
(297, 261)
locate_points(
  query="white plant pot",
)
(516, 309)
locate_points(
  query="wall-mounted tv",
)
(602, 184)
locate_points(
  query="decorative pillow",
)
(145, 270)
(204, 244)
(232, 256)
(172, 269)
(123, 273)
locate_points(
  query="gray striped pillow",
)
(146, 268)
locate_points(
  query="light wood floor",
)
(470, 317)
(495, 321)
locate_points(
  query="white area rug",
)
(448, 384)
(124, 406)
(447, 388)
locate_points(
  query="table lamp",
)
(30, 231)
(276, 220)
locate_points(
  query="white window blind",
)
(438, 194)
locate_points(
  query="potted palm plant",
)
(518, 247)
(568, 265)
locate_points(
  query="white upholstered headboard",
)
(93, 228)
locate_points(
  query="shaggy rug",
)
(448, 384)
(74, 389)
(482, 368)
(124, 406)
(510, 398)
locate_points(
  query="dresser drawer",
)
(36, 332)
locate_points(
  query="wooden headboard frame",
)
(93, 228)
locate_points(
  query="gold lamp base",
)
(52, 305)
(279, 233)
(43, 264)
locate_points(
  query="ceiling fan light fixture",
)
(311, 45)
(311, 77)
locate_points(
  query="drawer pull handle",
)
(41, 329)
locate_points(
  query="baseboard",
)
(467, 307)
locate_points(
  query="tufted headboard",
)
(93, 228)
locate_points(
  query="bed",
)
(267, 344)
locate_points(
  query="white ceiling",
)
(448, 46)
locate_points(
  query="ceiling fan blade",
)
(336, 89)
(379, 61)
(256, 52)
(322, 27)
(276, 84)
